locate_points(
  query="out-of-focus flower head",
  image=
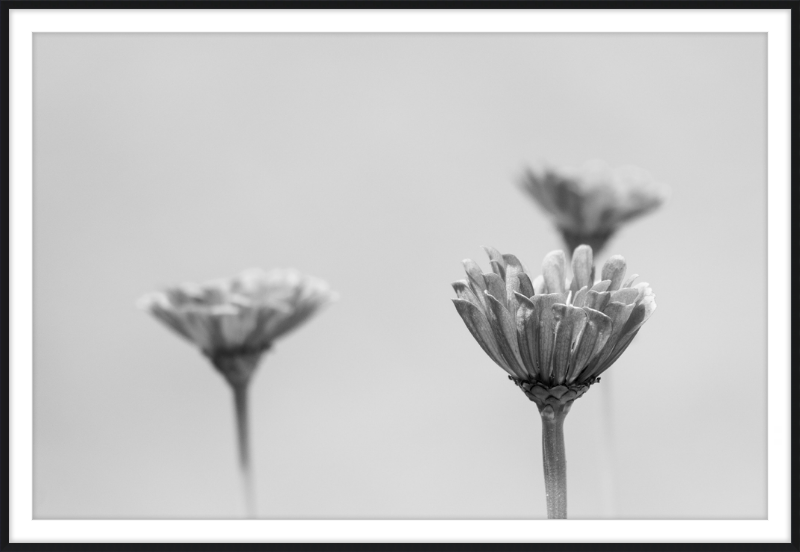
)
(552, 338)
(236, 319)
(590, 203)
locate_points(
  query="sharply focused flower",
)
(552, 338)
(233, 321)
(589, 204)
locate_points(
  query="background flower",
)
(590, 203)
(245, 313)
(233, 321)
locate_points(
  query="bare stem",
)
(240, 400)
(555, 463)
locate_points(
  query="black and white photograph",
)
(401, 276)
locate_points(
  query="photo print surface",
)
(292, 211)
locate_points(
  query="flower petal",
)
(513, 270)
(533, 182)
(172, 319)
(525, 285)
(546, 331)
(597, 300)
(496, 260)
(202, 333)
(626, 296)
(638, 317)
(570, 324)
(554, 272)
(593, 339)
(579, 299)
(620, 348)
(464, 291)
(504, 328)
(284, 323)
(236, 328)
(495, 286)
(582, 266)
(573, 288)
(567, 199)
(538, 285)
(629, 281)
(602, 285)
(479, 327)
(644, 290)
(619, 314)
(266, 319)
(475, 278)
(526, 334)
(614, 270)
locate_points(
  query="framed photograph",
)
(280, 273)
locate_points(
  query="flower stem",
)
(555, 462)
(595, 240)
(240, 401)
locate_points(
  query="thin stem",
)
(240, 401)
(555, 463)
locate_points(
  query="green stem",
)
(240, 401)
(555, 463)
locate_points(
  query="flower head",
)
(552, 338)
(589, 204)
(239, 317)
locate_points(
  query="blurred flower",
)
(553, 339)
(234, 320)
(589, 204)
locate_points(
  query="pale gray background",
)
(378, 162)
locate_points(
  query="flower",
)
(589, 204)
(234, 320)
(553, 339)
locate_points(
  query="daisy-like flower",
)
(589, 204)
(233, 321)
(553, 338)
